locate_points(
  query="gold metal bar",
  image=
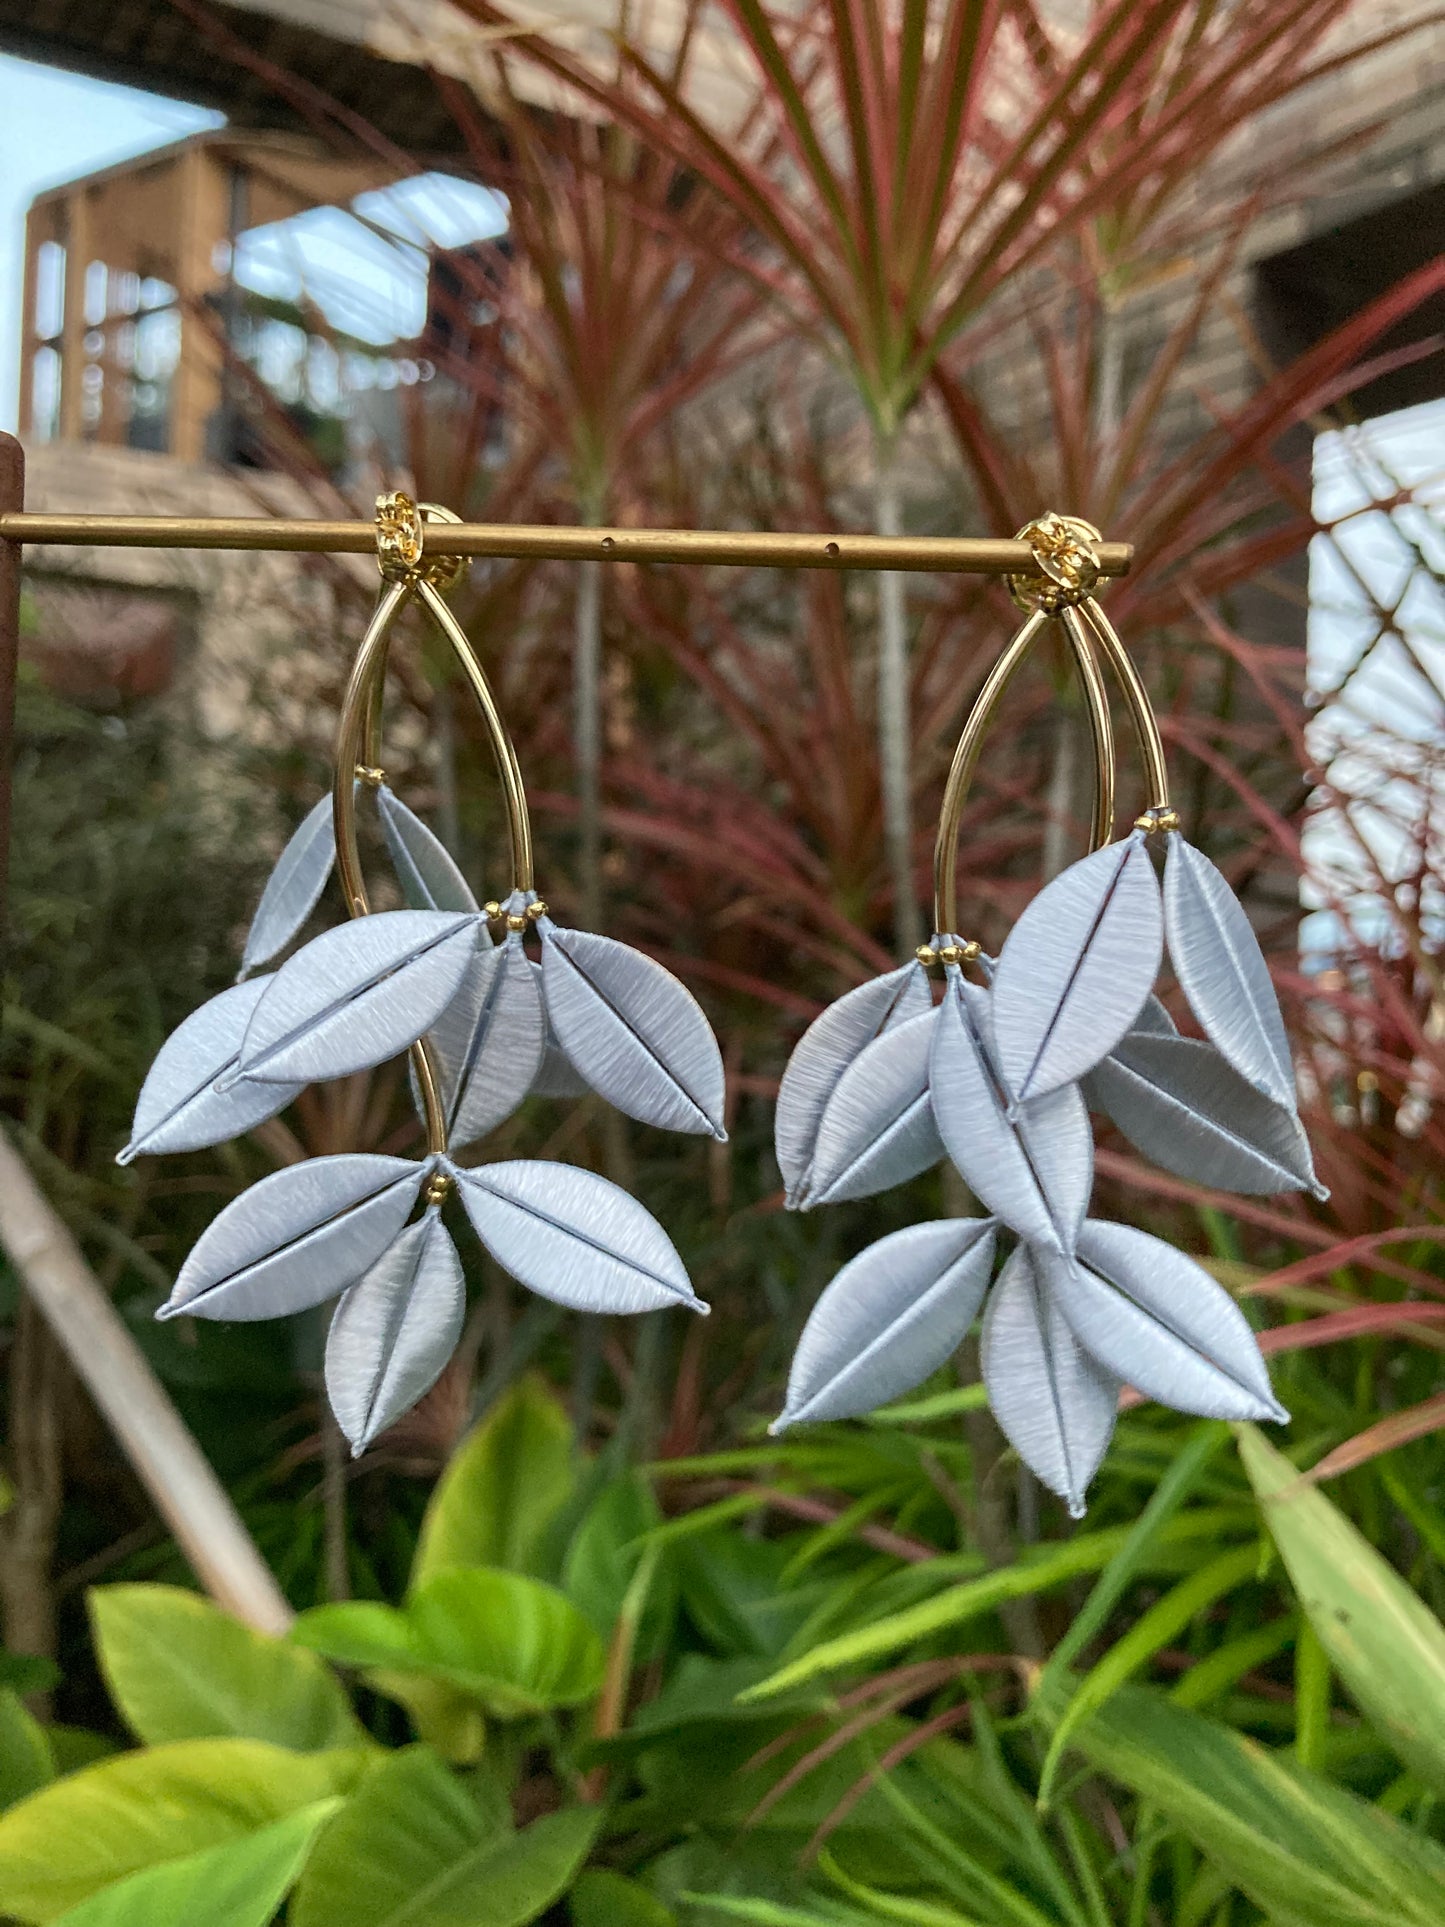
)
(353, 726)
(1146, 728)
(963, 555)
(1096, 702)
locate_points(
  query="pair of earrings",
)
(998, 1076)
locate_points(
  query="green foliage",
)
(502, 1489)
(27, 1760)
(1306, 1851)
(238, 1884)
(514, 1645)
(138, 1810)
(180, 1669)
(413, 1849)
(1385, 1643)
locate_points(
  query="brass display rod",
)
(926, 554)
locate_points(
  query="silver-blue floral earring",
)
(1000, 1076)
(450, 981)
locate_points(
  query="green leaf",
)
(602, 1898)
(1304, 1851)
(1161, 1624)
(178, 1668)
(139, 1809)
(1039, 1571)
(1382, 1640)
(410, 1849)
(240, 1884)
(506, 1482)
(603, 1559)
(27, 1762)
(511, 1644)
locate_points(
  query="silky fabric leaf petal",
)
(294, 887)
(357, 995)
(1222, 971)
(824, 1052)
(637, 1035)
(297, 1237)
(178, 1108)
(394, 1330)
(1153, 1021)
(556, 1075)
(574, 1237)
(877, 1128)
(1054, 1403)
(425, 868)
(1156, 1319)
(1036, 1171)
(1076, 969)
(1185, 1107)
(892, 1315)
(488, 1041)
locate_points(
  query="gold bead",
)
(491, 909)
(926, 954)
(516, 921)
(971, 950)
(950, 953)
(438, 1188)
(1160, 821)
(373, 778)
(536, 910)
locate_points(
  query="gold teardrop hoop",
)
(1064, 546)
(407, 573)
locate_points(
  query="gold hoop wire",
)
(1065, 549)
(406, 573)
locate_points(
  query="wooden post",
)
(201, 223)
(25, 416)
(12, 497)
(72, 346)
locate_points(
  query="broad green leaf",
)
(1382, 1640)
(1306, 1852)
(1039, 1571)
(27, 1761)
(1158, 1627)
(410, 1849)
(511, 1644)
(505, 1483)
(178, 1668)
(517, 1645)
(139, 1809)
(240, 1884)
(603, 1898)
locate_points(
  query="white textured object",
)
(297, 1238)
(179, 1108)
(1076, 969)
(556, 1076)
(1184, 1106)
(1155, 1318)
(877, 1128)
(488, 1041)
(294, 887)
(355, 996)
(574, 1237)
(1054, 1403)
(394, 1330)
(637, 1035)
(824, 1052)
(892, 1315)
(429, 878)
(1218, 962)
(1035, 1172)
